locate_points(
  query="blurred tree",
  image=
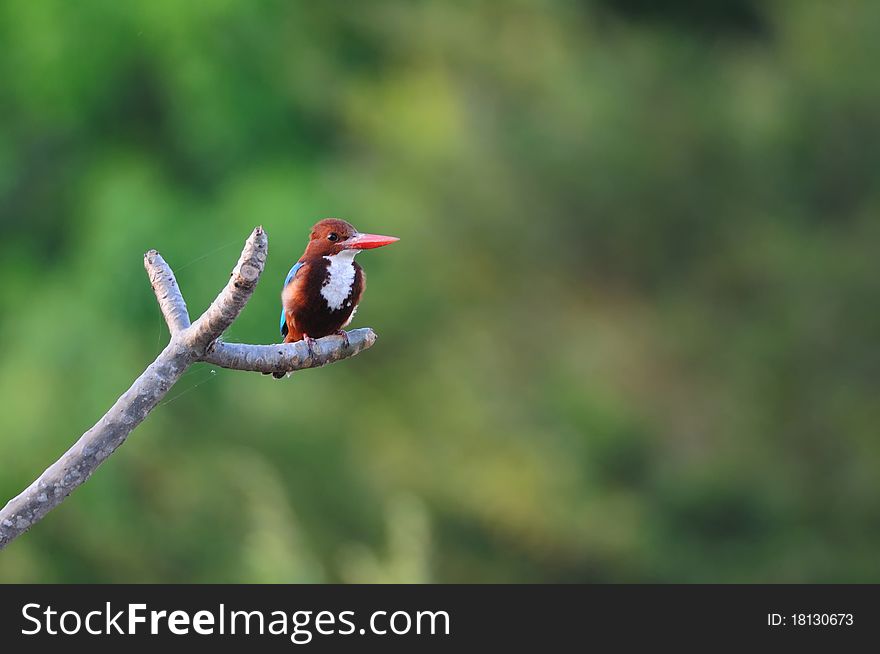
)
(628, 334)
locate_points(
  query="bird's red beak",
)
(369, 241)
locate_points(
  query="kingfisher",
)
(322, 290)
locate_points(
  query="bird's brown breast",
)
(321, 298)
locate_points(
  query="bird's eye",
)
(333, 236)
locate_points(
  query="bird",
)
(323, 289)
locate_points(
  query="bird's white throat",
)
(340, 278)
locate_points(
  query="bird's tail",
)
(290, 336)
(278, 375)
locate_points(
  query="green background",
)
(629, 333)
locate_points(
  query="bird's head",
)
(332, 236)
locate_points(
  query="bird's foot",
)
(344, 335)
(310, 344)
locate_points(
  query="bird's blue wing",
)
(293, 271)
(287, 280)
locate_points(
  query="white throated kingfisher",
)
(323, 289)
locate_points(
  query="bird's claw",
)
(310, 345)
(345, 340)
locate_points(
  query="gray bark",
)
(189, 343)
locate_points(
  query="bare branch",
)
(189, 343)
(231, 300)
(93, 447)
(287, 357)
(167, 292)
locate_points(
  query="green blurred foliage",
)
(629, 333)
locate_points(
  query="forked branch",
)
(190, 343)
